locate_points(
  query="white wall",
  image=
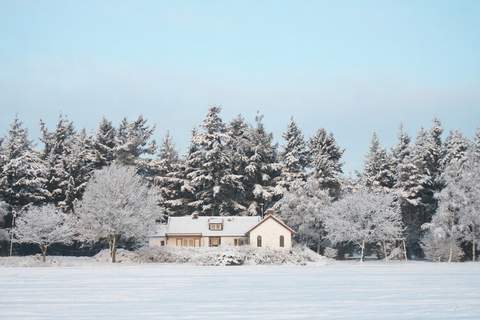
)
(270, 231)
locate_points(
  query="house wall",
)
(270, 231)
(198, 241)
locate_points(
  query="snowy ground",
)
(342, 290)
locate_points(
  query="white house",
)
(209, 231)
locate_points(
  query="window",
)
(215, 226)
(282, 241)
(214, 241)
(162, 243)
(259, 241)
(235, 242)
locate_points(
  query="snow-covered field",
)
(342, 290)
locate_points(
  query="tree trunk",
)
(473, 250)
(44, 248)
(113, 248)
(450, 252)
(385, 250)
(363, 250)
(318, 248)
(405, 250)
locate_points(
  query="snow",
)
(232, 226)
(342, 290)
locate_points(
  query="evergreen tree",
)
(377, 173)
(455, 149)
(294, 157)
(400, 151)
(105, 143)
(476, 144)
(133, 140)
(326, 162)
(23, 175)
(210, 171)
(262, 170)
(57, 144)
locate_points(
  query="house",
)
(210, 231)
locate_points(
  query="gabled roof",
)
(272, 216)
(232, 226)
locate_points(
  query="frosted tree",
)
(476, 144)
(455, 149)
(116, 205)
(326, 161)
(23, 175)
(377, 172)
(168, 177)
(400, 152)
(44, 226)
(362, 218)
(56, 147)
(105, 143)
(262, 171)
(240, 145)
(133, 140)
(209, 169)
(433, 155)
(303, 209)
(294, 156)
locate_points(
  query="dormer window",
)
(215, 226)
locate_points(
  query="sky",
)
(351, 67)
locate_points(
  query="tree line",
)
(236, 168)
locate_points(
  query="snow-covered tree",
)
(23, 175)
(117, 204)
(105, 143)
(44, 225)
(133, 140)
(294, 156)
(363, 217)
(400, 152)
(303, 208)
(326, 161)
(377, 172)
(455, 149)
(262, 170)
(476, 144)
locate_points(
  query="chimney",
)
(269, 212)
(194, 215)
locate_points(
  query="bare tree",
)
(44, 226)
(117, 204)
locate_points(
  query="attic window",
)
(215, 226)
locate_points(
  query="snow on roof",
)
(232, 226)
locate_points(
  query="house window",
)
(235, 242)
(214, 241)
(215, 226)
(259, 241)
(162, 243)
(282, 241)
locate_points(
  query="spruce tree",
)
(377, 173)
(23, 175)
(105, 143)
(133, 140)
(209, 169)
(326, 162)
(455, 149)
(294, 156)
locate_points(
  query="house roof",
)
(232, 226)
(271, 216)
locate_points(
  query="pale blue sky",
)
(349, 66)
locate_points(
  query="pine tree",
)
(326, 161)
(57, 144)
(262, 170)
(400, 151)
(133, 140)
(105, 143)
(455, 149)
(210, 171)
(476, 144)
(294, 156)
(168, 178)
(23, 177)
(377, 173)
